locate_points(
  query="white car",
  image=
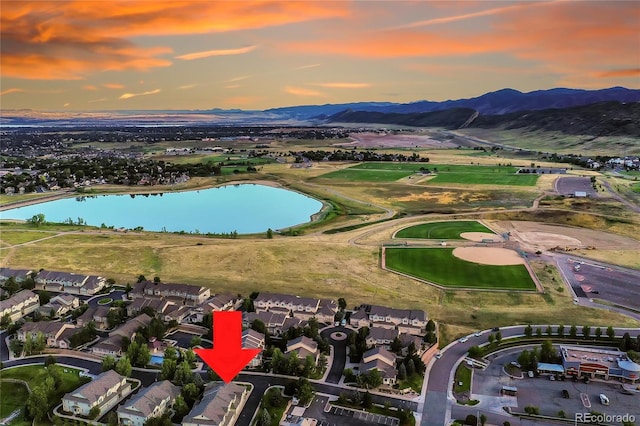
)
(439, 355)
(463, 339)
(478, 334)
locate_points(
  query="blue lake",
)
(245, 208)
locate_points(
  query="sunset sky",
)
(111, 55)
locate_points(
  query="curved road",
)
(440, 374)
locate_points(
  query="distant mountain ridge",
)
(503, 101)
(610, 118)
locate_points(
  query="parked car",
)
(439, 355)
(463, 339)
(530, 374)
(515, 364)
(478, 334)
(552, 378)
(495, 329)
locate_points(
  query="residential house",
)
(157, 305)
(219, 302)
(98, 315)
(381, 360)
(252, 339)
(181, 293)
(104, 392)
(379, 336)
(110, 346)
(130, 328)
(57, 334)
(19, 305)
(150, 402)
(359, 319)
(66, 282)
(304, 347)
(299, 306)
(220, 406)
(176, 313)
(18, 274)
(407, 339)
(60, 305)
(325, 315)
(273, 322)
(416, 318)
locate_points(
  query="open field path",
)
(619, 197)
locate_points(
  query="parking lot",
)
(595, 281)
(337, 416)
(571, 185)
(548, 395)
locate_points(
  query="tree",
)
(483, 419)
(610, 333)
(573, 331)
(598, 332)
(561, 330)
(305, 391)
(498, 336)
(108, 363)
(195, 341)
(5, 321)
(549, 331)
(538, 332)
(265, 418)
(431, 326)
(11, 286)
(491, 338)
(586, 331)
(528, 331)
(16, 346)
(190, 393)
(269, 233)
(396, 345)
(402, 372)
(94, 412)
(547, 353)
(471, 420)
(37, 219)
(144, 356)
(37, 403)
(128, 289)
(342, 303)
(367, 400)
(475, 352)
(189, 356)
(181, 408)
(123, 367)
(44, 297)
(156, 279)
(524, 359)
(49, 361)
(168, 369)
(156, 328)
(141, 278)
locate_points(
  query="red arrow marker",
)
(227, 357)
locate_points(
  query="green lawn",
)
(463, 374)
(636, 187)
(385, 165)
(14, 396)
(360, 175)
(414, 382)
(440, 266)
(485, 179)
(275, 410)
(34, 375)
(442, 230)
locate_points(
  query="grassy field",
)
(463, 375)
(18, 237)
(14, 396)
(358, 175)
(384, 165)
(442, 230)
(440, 266)
(485, 179)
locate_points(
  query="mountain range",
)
(502, 108)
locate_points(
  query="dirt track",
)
(488, 255)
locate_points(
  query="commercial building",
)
(599, 363)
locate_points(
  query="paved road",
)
(339, 353)
(438, 404)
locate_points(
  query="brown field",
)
(488, 255)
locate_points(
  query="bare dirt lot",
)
(540, 236)
(488, 255)
(381, 140)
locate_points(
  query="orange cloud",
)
(301, 91)
(216, 52)
(12, 90)
(113, 86)
(70, 39)
(344, 85)
(90, 87)
(631, 72)
(133, 95)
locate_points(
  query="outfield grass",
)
(440, 266)
(359, 175)
(442, 230)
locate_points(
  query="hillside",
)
(599, 119)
